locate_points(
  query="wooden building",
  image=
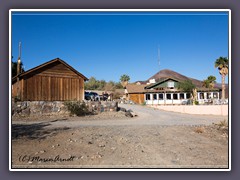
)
(54, 80)
(135, 93)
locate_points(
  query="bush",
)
(116, 95)
(196, 102)
(16, 99)
(199, 130)
(223, 124)
(144, 103)
(77, 108)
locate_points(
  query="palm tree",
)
(124, 80)
(209, 82)
(222, 64)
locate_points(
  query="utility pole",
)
(18, 70)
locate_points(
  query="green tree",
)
(222, 64)
(94, 84)
(188, 86)
(109, 86)
(101, 84)
(124, 80)
(124, 77)
(118, 85)
(209, 82)
(91, 84)
(14, 68)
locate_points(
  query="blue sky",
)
(108, 44)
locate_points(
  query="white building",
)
(166, 92)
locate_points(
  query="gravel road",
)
(152, 139)
(145, 116)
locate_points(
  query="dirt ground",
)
(111, 140)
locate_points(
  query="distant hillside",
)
(166, 73)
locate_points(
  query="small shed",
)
(135, 93)
(54, 80)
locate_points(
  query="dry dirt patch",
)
(42, 145)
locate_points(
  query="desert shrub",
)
(77, 108)
(196, 102)
(199, 130)
(223, 123)
(116, 95)
(222, 126)
(144, 103)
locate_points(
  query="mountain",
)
(166, 73)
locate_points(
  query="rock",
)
(113, 148)
(36, 109)
(24, 105)
(122, 109)
(134, 114)
(26, 112)
(47, 109)
(128, 114)
(18, 110)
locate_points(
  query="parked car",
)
(87, 96)
(92, 96)
(104, 97)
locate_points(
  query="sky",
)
(106, 45)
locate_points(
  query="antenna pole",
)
(158, 55)
(19, 50)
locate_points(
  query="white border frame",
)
(118, 10)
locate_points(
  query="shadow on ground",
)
(34, 131)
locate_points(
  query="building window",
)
(188, 96)
(175, 96)
(160, 96)
(154, 96)
(170, 84)
(209, 96)
(147, 96)
(181, 96)
(169, 96)
(215, 95)
(201, 95)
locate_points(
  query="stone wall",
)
(36, 108)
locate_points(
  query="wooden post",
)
(18, 71)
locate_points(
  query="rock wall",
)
(35, 108)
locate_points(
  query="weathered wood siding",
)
(55, 82)
(137, 98)
(15, 88)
